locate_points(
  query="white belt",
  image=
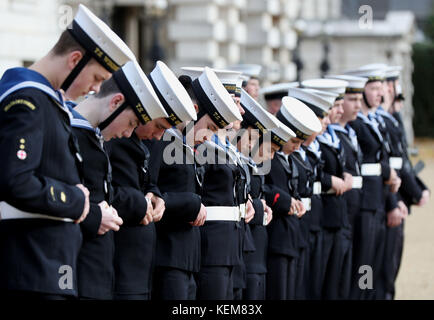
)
(264, 220)
(330, 191)
(243, 210)
(357, 182)
(8, 212)
(222, 214)
(371, 169)
(307, 202)
(317, 187)
(395, 163)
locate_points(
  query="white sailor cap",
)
(330, 97)
(298, 117)
(399, 95)
(281, 134)
(355, 84)
(99, 41)
(172, 94)
(244, 79)
(330, 85)
(212, 95)
(393, 72)
(249, 70)
(230, 79)
(373, 72)
(139, 93)
(255, 115)
(320, 104)
(278, 90)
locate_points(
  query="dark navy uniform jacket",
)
(306, 178)
(221, 241)
(334, 206)
(38, 174)
(283, 230)
(247, 242)
(313, 154)
(353, 159)
(95, 261)
(371, 143)
(411, 185)
(390, 131)
(256, 261)
(178, 242)
(134, 242)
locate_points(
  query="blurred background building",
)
(291, 39)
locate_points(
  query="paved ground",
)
(416, 276)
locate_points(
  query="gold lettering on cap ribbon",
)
(98, 52)
(278, 140)
(260, 126)
(174, 118)
(108, 62)
(139, 107)
(145, 118)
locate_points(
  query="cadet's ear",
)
(196, 107)
(116, 101)
(73, 58)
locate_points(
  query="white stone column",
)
(271, 38)
(28, 30)
(206, 32)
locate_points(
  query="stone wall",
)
(28, 29)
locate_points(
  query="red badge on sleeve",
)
(21, 154)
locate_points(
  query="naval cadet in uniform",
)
(377, 176)
(311, 264)
(139, 204)
(335, 182)
(413, 190)
(220, 235)
(282, 196)
(310, 152)
(260, 150)
(178, 236)
(124, 101)
(232, 81)
(177, 253)
(352, 153)
(398, 212)
(40, 199)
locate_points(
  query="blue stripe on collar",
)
(314, 147)
(380, 111)
(337, 127)
(78, 121)
(330, 138)
(19, 78)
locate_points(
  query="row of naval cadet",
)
(85, 215)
